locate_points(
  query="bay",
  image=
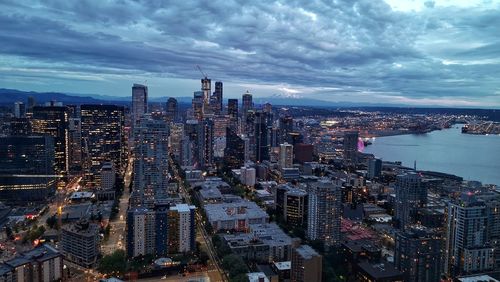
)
(473, 157)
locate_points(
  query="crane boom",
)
(199, 68)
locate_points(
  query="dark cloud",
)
(357, 46)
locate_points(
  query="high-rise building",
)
(324, 212)
(262, 142)
(80, 243)
(217, 105)
(103, 137)
(351, 147)
(306, 264)
(19, 110)
(206, 86)
(197, 104)
(232, 108)
(492, 201)
(108, 176)
(26, 168)
(141, 232)
(418, 254)
(172, 113)
(31, 103)
(467, 248)
(53, 121)
(247, 104)
(286, 156)
(150, 157)
(181, 228)
(175, 141)
(139, 102)
(285, 128)
(295, 207)
(208, 143)
(374, 168)
(411, 196)
(195, 143)
(234, 153)
(75, 144)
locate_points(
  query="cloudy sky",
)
(442, 52)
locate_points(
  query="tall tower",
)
(410, 196)
(467, 248)
(262, 144)
(247, 104)
(285, 128)
(232, 111)
(139, 102)
(351, 147)
(206, 86)
(324, 212)
(172, 109)
(286, 156)
(218, 97)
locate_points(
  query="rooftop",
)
(306, 251)
(235, 210)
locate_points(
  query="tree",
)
(51, 221)
(116, 263)
(234, 265)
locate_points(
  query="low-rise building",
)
(235, 216)
(80, 243)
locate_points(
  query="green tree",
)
(115, 264)
(234, 265)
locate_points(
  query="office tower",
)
(374, 168)
(467, 248)
(193, 129)
(295, 207)
(172, 113)
(411, 196)
(208, 144)
(247, 104)
(206, 86)
(262, 144)
(150, 157)
(53, 121)
(75, 144)
(139, 102)
(303, 153)
(108, 176)
(181, 228)
(286, 156)
(19, 110)
(418, 254)
(268, 108)
(285, 128)
(217, 106)
(187, 157)
(324, 212)
(232, 108)
(20, 127)
(351, 147)
(234, 153)
(306, 264)
(80, 243)
(175, 140)
(103, 137)
(197, 104)
(26, 168)
(31, 103)
(492, 201)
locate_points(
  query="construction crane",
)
(202, 73)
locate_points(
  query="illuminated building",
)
(53, 121)
(247, 104)
(306, 264)
(218, 98)
(139, 102)
(374, 168)
(286, 156)
(411, 195)
(285, 128)
(262, 142)
(75, 144)
(181, 228)
(232, 111)
(103, 136)
(206, 86)
(234, 153)
(197, 104)
(19, 110)
(351, 147)
(172, 113)
(80, 243)
(324, 212)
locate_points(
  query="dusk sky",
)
(443, 52)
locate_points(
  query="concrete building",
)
(306, 265)
(80, 243)
(108, 176)
(235, 216)
(351, 147)
(247, 176)
(286, 156)
(411, 196)
(181, 228)
(324, 211)
(374, 168)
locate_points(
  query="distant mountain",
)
(10, 96)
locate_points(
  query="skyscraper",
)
(150, 157)
(75, 144)
(206, 86)
(467, 248)
(181, 228)
(247, 103)
(262, 137)
(197, 105)
(306, 264)
(411, 195)
(139, 102)
(285, 128)
(217, 107)
(103, 138)
(53, 121)
(418, 254)
(324, 212)
(234, 153)
(232, 111)
(208, 143)
(19, 110)
(351, 147)
(172, 110)
(31, 103)
(286, 156)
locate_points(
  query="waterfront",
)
(473, 157)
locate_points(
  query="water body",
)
(473, 157)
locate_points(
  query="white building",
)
(247, 176)
(181, 224)
(139, 102)
(286, 156)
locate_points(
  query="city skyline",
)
(441, 53)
